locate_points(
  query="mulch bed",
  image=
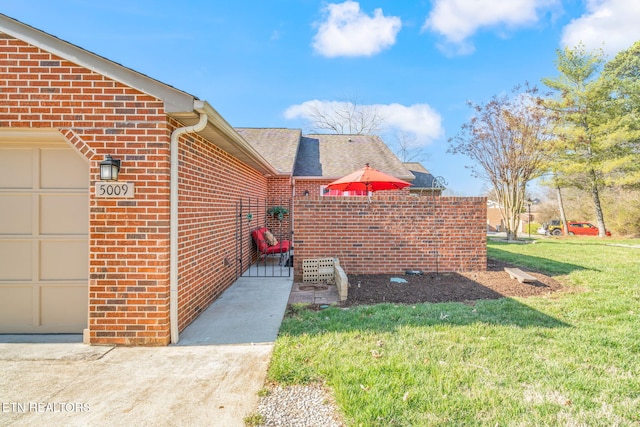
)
(494, 283)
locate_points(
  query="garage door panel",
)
(64, 260)
(16, 168)
(16, 307)
(64, 214)
(74, 176)
(44, 245)
(16, 260)
(63, 304)
(15, 214)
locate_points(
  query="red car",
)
(584, 229)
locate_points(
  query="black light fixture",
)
(109, 168)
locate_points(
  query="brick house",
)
(133, 262)
(495, 222)
(65, 249)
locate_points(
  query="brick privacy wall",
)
(392, 234)
(211, 182)
(314, 188)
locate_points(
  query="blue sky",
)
(261, 63)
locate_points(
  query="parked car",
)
(575, 228)
(554, 227)
(584, 229)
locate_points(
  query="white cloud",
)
(612, 22)
(347, 31)
(458, 20)
(419, 119)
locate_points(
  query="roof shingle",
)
(334, 156)
(424, 178)
(277, 145)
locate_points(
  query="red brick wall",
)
(211, 183)
(279, 188)
(313, 187)
(279, 193)
(392, 233)
(129, 238)
(494, 219)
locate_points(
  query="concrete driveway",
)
(209, 379)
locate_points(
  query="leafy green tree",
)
(579, 151)
(621, 129)
(506, 138)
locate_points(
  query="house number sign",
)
(114, 190)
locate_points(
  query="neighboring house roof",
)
(180, 105)
(424, 179)
(334, 156)
(278, 146)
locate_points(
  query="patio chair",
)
(269, 245)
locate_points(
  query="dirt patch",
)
(313, 288)
(494, 283)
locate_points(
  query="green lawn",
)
(570, 359)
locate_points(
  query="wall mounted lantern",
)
(109, 169)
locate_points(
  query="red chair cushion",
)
(263, 246)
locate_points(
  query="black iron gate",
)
(275, 215)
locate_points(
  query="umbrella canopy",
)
(367, 179)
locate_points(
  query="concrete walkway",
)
(249, 312)
(210, 378)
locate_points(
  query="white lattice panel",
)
(318, 270)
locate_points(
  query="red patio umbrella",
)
(367, 179)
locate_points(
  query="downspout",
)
(173, 224)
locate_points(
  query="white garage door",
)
(43, 237)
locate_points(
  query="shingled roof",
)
(334, 156)
(277, 145)
(424, 179)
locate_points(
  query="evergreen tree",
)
(620, 129)
(580, 151)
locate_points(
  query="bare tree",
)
(506, 138)
(348, 118)
(408, 150)
(352, 118)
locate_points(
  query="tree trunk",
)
(596, 203)
(563, 216)
(508, 204)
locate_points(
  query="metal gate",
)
(274, 214)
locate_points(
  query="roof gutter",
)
(173, 224)
(220, 124)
